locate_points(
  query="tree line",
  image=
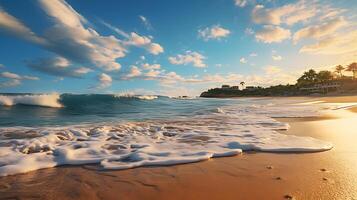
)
(311, 77)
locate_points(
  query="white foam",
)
(132, 95)
(147, 97)
(159, 142)
(46, 100)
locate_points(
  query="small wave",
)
(147, 97)
(45, 100)
(133, 96)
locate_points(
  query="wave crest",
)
(45, 100)
(133, 96)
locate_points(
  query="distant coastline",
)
(311, 83)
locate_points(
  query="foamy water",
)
(218, 128)
(46, 100)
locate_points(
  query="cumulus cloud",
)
(145, 42)
(104, 81)
(57, 66)
(82, 70)
(134, 39)
(270, 34)
(288, 14)
(153, 66)
(318, 31)
(214, 32)
(190, 57)
(243, 60)
(12, 79)
(133, 72)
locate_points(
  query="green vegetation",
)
(310, 82)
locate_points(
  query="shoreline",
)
(251, 175)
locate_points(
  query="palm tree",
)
(352, 68)
(324, 76)
(339, 69)
(242, 84)
(308, 78)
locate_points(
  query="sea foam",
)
(227, 131)
(46, 100)
(134, 96)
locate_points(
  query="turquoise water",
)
(97, 108)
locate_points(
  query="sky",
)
(169, 47)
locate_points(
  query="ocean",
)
(125, 131)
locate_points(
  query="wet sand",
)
(251, 175)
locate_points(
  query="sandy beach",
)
(251, 175)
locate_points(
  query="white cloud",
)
(70, 37)
(152, 74)
(253, 54)
(214, 32)
(147, 66)
(288, 14)
(14, 79)
(190, 57)
(146, 22)
(336, 44)
(15, 27)
(277, 57)
(58, 66)
(271, 34)
(318, 31)
(137, 40)
(82, 70)
(10, 75)
(104, 81)
(145, 42)
(240, 3)
(134, 72)
(243, 60)
(115, 29)
(155, 48)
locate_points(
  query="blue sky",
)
(169, 47)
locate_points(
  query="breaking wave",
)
(45, 100)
